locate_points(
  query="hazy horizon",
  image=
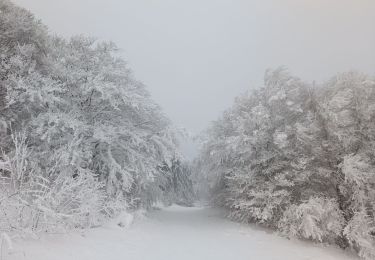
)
(196, 56)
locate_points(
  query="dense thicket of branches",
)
(299, 159)
(80, 138)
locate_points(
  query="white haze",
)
(195, 56)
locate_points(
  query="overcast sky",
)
(195, 56)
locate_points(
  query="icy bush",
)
(32, 203)
(317, 219)
(360, 233)
(358, 187)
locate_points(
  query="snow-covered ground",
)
(174, 233)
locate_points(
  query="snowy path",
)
(175, 233)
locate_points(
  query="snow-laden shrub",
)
(261, 204)
(358, 188)
(360, 233)
(32, 202)
(317, 219)
(73, 201)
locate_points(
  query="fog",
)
(195, 56)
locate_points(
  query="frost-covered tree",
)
(348, 104)
(298, 158)
(89, 127)
(177, 185)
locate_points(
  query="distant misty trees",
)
(299, 159)
(80, 138)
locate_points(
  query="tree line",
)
(81, 139)
(298, 158)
